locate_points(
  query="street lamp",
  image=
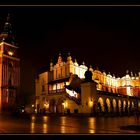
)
(33, 108)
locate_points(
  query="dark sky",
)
(105, 37)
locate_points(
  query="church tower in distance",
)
(9, 68)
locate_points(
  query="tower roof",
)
(59, 58)
(7, 34)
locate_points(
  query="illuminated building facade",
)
(9, 68)
(64, 89)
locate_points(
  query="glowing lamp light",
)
(66, 104)
(46, 105)
(63, 103)
(33, 119)
(10, 53)
(139, 104)
(91, 103)
(35, 110)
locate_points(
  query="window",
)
(58, 86)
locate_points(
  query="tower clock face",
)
(10, 52)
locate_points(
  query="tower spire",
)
(51, 65)
(7, 34)
(59, 58)
(127, 71)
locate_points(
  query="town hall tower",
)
(9, 68)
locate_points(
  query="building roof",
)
(59, 80)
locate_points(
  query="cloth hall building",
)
(66, 88)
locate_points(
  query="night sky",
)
(104, 37)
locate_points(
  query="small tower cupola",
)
(51, 65)
(69, 58)
(113, 75)
(104, 73)
(90, 68)
(83, 63)
(127, 72)
(59, 58)
(132, 74)
(7, 34)
(75, 63)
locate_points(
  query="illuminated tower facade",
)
(9, 68)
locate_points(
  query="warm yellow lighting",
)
(32, 127)
(119, 104)
(45, 128)
(10, 53)
(133, 105)
(33, 118)
(114, 104)
(128, 91)
(91, 131)
(128, 103)
(46, 105)
(100, 100)
(63, 122)
(66, 104)
(67, 83)
(91, 124)
(63, 105)
(32, 105)
(63, 129)
(91, 103)
(139, 104)
(45, 119)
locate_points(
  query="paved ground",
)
(68, 125)
(131, 127)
